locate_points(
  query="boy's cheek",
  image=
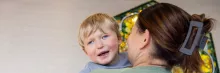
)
(91, 52)
(87, 52)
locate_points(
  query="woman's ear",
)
(146, 39)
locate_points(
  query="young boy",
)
(99, 38)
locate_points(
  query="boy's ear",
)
(84, 51)
(119, 40)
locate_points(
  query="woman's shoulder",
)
(146, 69)
(149, 69)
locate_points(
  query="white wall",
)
(40, 36)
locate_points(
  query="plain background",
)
(40, 36)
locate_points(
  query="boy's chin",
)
(105, 62)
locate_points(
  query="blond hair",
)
(96, 22)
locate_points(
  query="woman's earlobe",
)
(146, 37)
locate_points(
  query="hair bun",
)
(208, 22)
(196, 17)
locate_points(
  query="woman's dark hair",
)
(168, 25)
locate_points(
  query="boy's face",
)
(102, 47)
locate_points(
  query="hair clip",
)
(185, 48)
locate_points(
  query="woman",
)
(164, 36)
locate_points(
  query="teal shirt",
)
(145, 69)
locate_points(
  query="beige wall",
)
(40, 36)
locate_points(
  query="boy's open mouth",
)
(103, 53)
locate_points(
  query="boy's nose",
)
(99, 44)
